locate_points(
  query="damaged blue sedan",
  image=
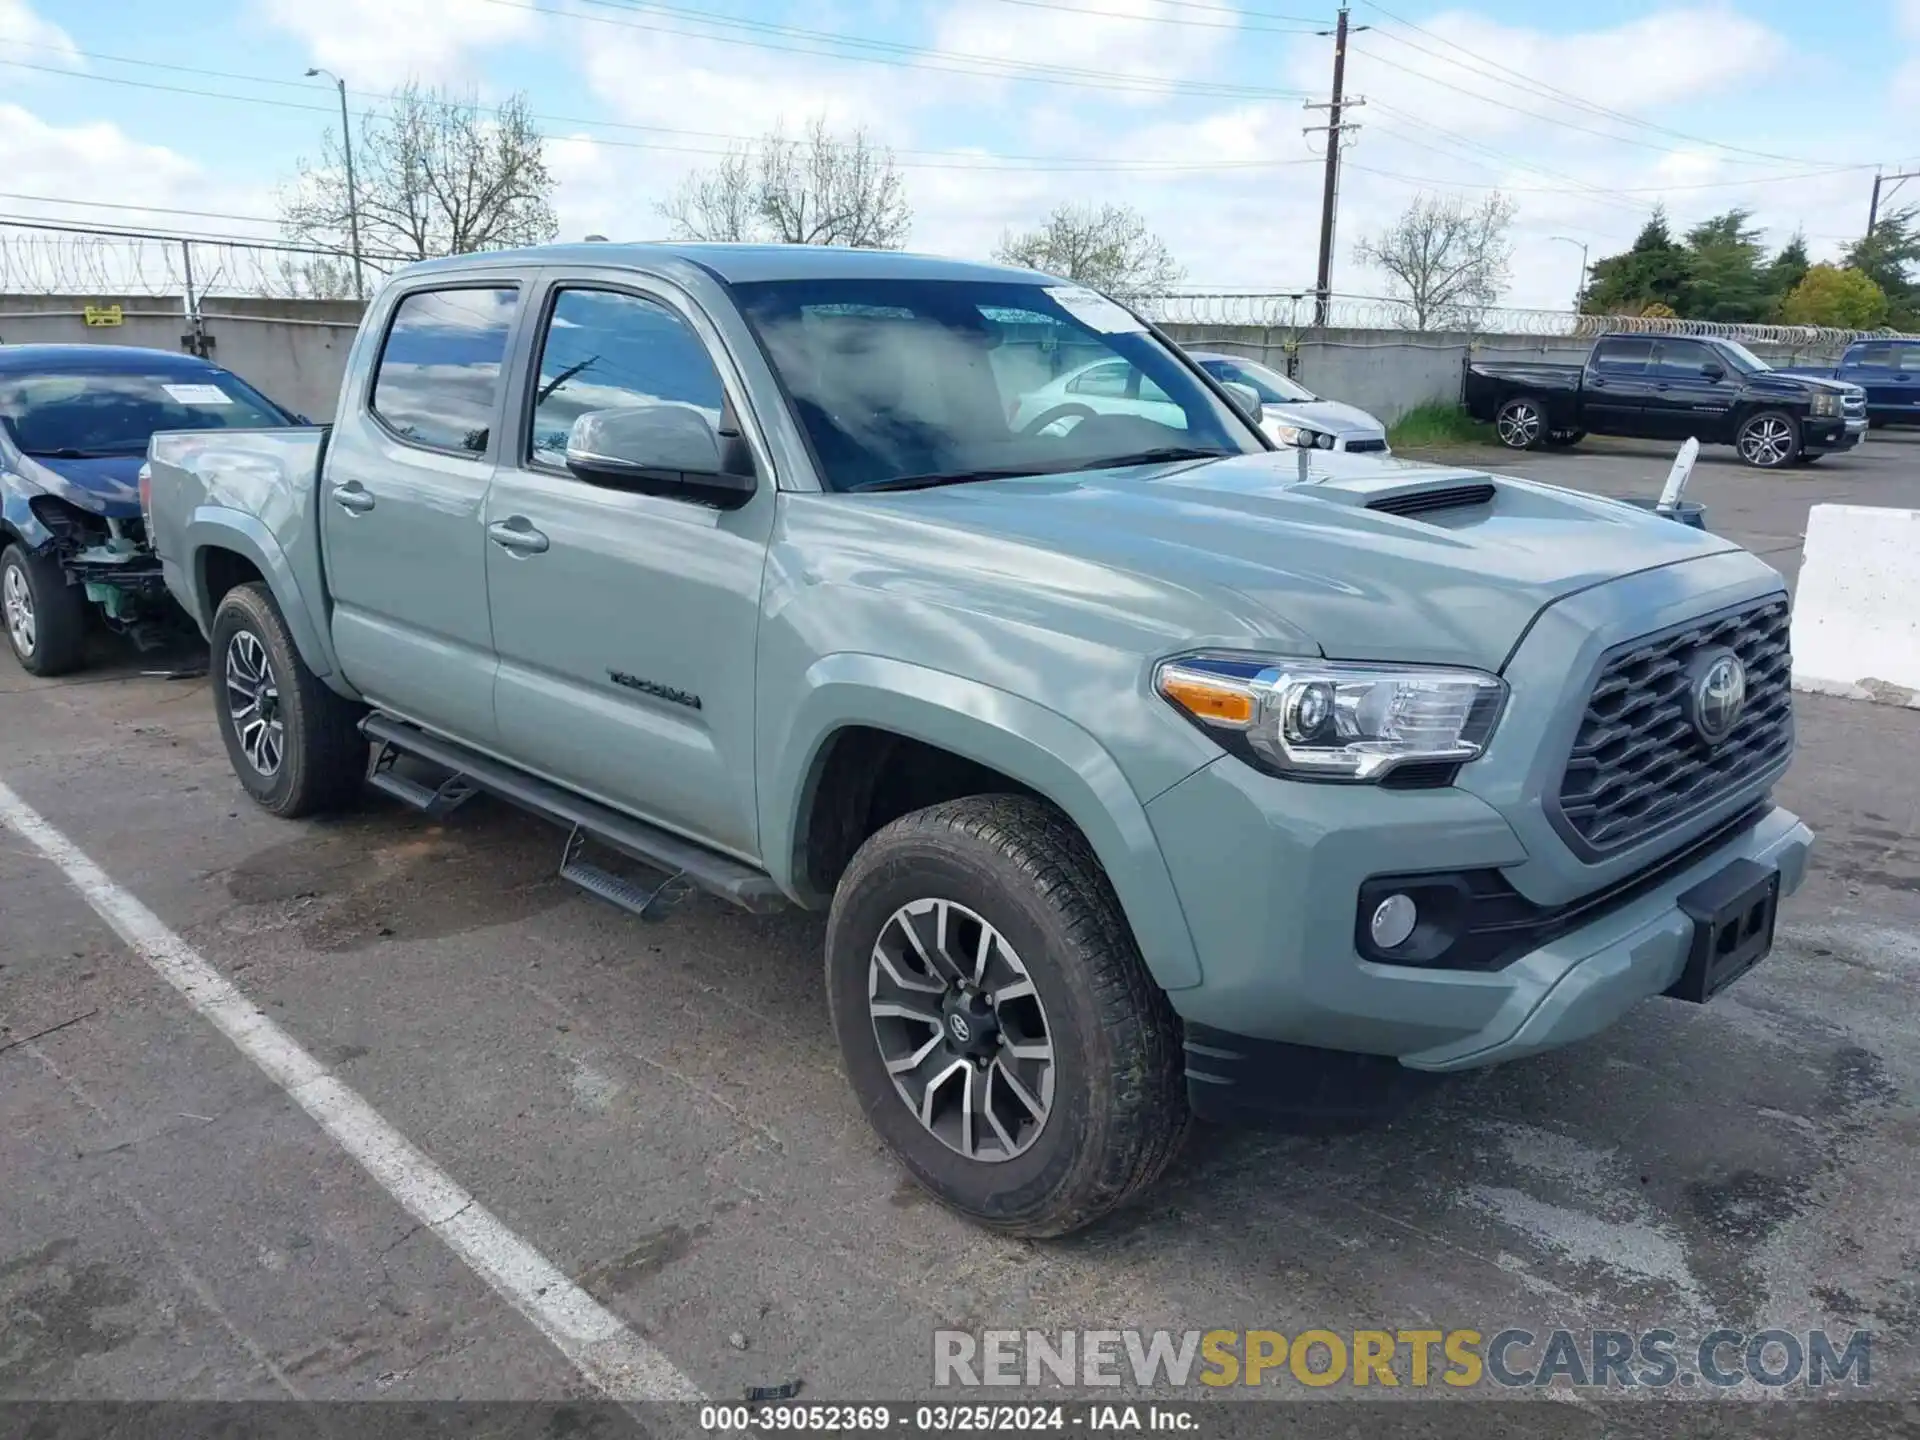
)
(74, 426)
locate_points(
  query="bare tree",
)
(1109, 248)
(435, 175)
(816, 190)
(1446, 258)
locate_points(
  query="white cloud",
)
(20, 26)
(378, 44)
(1113, 40)
(1905, 90)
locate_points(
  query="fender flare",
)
(216, 527)
(1020, 738)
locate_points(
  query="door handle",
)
(1663, 385)
(353, 496)
(1596, 384)
(517, 536)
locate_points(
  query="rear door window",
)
(1628, 356)
(438, 382)
(1908, 359)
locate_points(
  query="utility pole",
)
(1899, 178)
(353, 193)
(1330, 195)
(1577, 289)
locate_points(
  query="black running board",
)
(684, 862)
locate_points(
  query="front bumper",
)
(1826, 437)
(1283, 968)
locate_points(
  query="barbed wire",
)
(38, 258)
(1296, 311)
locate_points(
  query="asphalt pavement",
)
(657, 1110)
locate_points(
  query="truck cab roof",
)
(735, 263)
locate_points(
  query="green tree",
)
(1787, 269)
(1652, 272)
(1726, 275)
(1829, 295)
(1888, 255)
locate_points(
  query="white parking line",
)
(611, 1357)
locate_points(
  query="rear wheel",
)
(295, 744)
(1768, 440)
(46, 618)
(1521, 423)
(996, 1020)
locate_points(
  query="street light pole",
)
(1581, 287)
(353, 193)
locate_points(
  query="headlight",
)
(1303, 438)
(1328, 720)
(1825, 402)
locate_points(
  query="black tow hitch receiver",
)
(1733, 915)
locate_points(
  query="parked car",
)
(1887, 370)
(1289, 413)
(1669, 387)
(74, 426)
(1143, 770)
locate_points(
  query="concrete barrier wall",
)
(296, 350)
(1856, 610)
(293, 350)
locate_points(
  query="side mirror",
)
(1713, 372)
(666, 445)
(1247, 398)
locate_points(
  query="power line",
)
(887, 52)
(1308, 27)
(1553, 93)
(962, 160)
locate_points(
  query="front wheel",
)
(996, 1020)
(46, 618)
(295, 744)
(1521, 423)
(1768, 440)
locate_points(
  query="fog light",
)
(1393, 921)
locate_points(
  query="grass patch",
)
(1438, 424)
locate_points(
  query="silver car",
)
(1293, 414)
(1290, 413)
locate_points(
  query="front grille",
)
(1365, 447)
(1638, 767)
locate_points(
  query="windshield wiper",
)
(1158, 455)
(945, 477)
(73, 452)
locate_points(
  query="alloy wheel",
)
(1519, 425)
(1766, 441)
(253, 702)
(961, 1030)
(16, 597)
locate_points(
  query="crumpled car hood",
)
(109, 485)
(1291, 532)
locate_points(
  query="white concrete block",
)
(1856, 613)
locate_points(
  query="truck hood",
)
(1794, 382)
(1329, 415)
(108, 485)
(1286, 542)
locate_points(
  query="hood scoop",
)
(1443, 497)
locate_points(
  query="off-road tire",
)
(324, 759)
(1119, 1110)
(59, 613)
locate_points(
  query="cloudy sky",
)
(189, 116)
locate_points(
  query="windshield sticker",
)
(1094, 310)
(198, 394)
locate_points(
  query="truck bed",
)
(260, 485)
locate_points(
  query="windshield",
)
(898, 382)
(1743, 358)
(80, 414)
(1273, 387)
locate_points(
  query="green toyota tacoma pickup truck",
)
(1142, 769)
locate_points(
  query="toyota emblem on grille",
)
(1717, 696)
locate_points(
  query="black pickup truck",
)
(1670, 387)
